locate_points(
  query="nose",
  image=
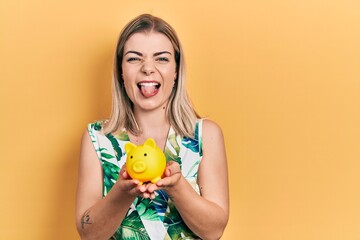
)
(148, 67)
(139, 167)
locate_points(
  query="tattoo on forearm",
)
(85, 219)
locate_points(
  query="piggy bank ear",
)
(129, 146)
(150, 142)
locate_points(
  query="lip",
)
(148, 82)
(149, 88)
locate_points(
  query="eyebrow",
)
(163, 52)
(155, 54)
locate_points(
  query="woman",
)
(150, 100)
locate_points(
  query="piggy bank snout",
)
(139, 166)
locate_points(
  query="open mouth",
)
(149, 89)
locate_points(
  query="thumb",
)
(172, 168)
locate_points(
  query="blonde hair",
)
(179, 110)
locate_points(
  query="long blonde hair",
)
(179, 110)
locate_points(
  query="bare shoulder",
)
(85, 136)
(86, 140)
(88, 154)
(211, 131)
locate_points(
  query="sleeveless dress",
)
(155, 219)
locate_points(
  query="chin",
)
(148, 107)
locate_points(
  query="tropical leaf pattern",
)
(194, 144)
(172, 152)
(191, 144)
(177, 229)
(111, 174)
(144, 216)
(115, 144)
(123, 136)
(161, 203)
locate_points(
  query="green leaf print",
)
(174, 143)
(130, 233)
(106, 155)
(103, 155)
(177, 229)
(191, 144)
(97, 125)
(194, 144)
(160, 203)
(181, 231)
(172, 216)
(123, 136)
(146, 211)
(111, 174)
(132, 227)
(141, 208)
(169, 154)
(115, 144)
(191, 170)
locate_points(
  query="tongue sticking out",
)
(148, 90)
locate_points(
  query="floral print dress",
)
(149, 219)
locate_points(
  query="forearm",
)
(102, 219)
(203, 217)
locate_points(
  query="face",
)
(149, 70)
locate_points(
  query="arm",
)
(207, 215)
(98, 217)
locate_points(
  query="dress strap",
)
(198, 134)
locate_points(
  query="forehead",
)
(148, 42)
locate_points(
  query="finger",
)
(142, 188)
(151, 187)
(152, 196)
(125, 175)
(169, 181)
(159, 183)
(167, 172)
(145, 195)
(163, 182)
(172, 167)
(130, 184)
(123, 168)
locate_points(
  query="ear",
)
(150, 142)
(129, 146)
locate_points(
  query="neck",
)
(153, 124)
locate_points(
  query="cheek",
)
(169, 74)
(128, 85)
(130, 89)
(128, 70)
(128, 76)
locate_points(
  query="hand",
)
(131, 186)
(170, 178)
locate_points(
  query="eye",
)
(145, 154)
(133, 59)
(131, 156)
(162, 59)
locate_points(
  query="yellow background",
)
(281, 77)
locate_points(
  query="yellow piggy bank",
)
(145, 162)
